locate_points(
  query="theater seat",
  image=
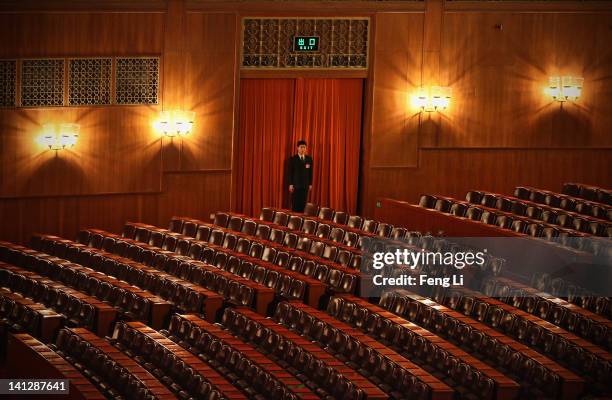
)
(311, 210)
(295, 222)
(427, 201)
(355, 221)
(340, 217)
(266, 214)
(326, 213)
(522, 193)
(280, 218)
(458, 209)
(473, 213)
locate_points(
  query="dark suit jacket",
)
(300, 172)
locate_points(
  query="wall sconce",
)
(565, 88)
(59, 137)
(175, 123)
(434, 98)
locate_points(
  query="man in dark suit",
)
(300, 177)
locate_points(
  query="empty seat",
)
(280, 218)
(276, 235)
(337, 235)
(203, 233)
(571, 189)
(263, 231)
(309, 226)
(326, 213)
(504, 221)
(221, 219)
(355, 221)
(369, 226)
(190, 228)
(295, 222)
(553, 200)
(340, 217)
(489, 200)
(323, 231)
(522, 192)
(488, 217)
(427, 201)
(443, 205)
(473, 197)
(267, 214)
(519, 226)
(311, 210)
(384, 230)
(235, 223)
(249, 227)
(458, 209)
(473, 213)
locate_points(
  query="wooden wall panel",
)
(116, 152)
(397, 62)
(83, 34)
(210, 79)
(501, 130)
(192, 194)
(498, 76)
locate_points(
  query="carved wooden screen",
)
(8, 83)
(267, 43)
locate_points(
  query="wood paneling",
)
(194, 194)
(210, 80)
(397, 49)
(501, 130)
(498, 76)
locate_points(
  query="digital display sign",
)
(306, 43)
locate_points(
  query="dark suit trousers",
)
(298, 199)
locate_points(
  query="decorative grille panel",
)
(90, 81)
(268, 43)
(42, 83)
(8, 82)
(137, 80)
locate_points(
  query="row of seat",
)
(186, 374)
(185, 295)
(539, 375)
(540, 212)
(320, 370)
(77, 308)
(284, 281)
(233, 288)
(259, 376)
(564, 201)
(30, 358)
(579, 355)
(20, 314)
(589, 192)
(392, 369)
(109, 369)
(284, 260)
(506, 221)
(354, 223)
(232, 237)
(133, 302)
(400, 237)
(596, 328)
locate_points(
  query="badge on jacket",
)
(307, 165)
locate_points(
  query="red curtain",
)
(266, 123)
(327, 114)
(274, 115)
